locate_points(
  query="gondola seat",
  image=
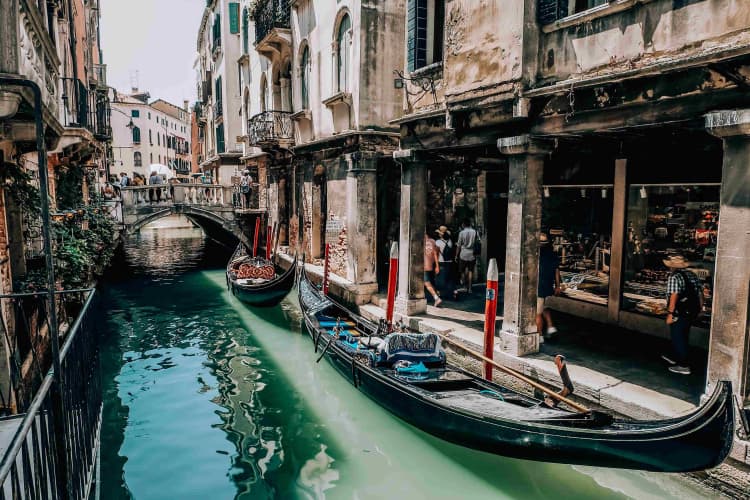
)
(412, 347)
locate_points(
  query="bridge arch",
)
(220, 227)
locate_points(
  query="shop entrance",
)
(389, 209)
(496, 218)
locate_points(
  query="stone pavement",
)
(618, 369)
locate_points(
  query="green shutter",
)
(234, 17)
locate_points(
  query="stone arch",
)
(214, 226)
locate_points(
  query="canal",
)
(207, 399)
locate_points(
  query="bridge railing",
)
(165, 195)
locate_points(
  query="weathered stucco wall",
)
(382, 39)
(644, 32)
(483, 44)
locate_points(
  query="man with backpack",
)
(246, 186)
(446, 256)
(467, 242)
(684, 305)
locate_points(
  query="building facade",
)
(55, 45)
(219, 123)
(149, 133)
(618, 129)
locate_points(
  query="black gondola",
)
(262, 291)
(460, 407)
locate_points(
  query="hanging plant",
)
(18, 183)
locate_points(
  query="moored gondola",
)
(257, 281)
(406, 373)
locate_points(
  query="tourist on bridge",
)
(431, 267)
(246, 188)
(154, 180)
(124, 180)
(549, 284)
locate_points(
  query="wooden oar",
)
(519, 376)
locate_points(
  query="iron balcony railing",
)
(270, 127)
(270, 14)
(83, 108)
(53, 452)
(100, 74)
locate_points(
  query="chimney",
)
(185, 105)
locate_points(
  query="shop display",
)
(663, 221)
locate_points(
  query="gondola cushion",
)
(414, 347)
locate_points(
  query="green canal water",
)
(208, 399)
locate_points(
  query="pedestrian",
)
(124, 181)
(108, 191)
(684, 305)
(246, 184)
(446, 256)
(154, 180)
(431, 267)
(468, 239)
(548, 285)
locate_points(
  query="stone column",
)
(730, 341)
(361, 218)
(410, 298)
(518, 335)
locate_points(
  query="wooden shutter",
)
(234, 17)
(549, 11)
(416, 29)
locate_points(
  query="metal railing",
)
(53, 453)
(270, 127)
(270, 14)
(87, 109)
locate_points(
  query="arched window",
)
(263, 94)
(136, 135)
(304, 77)
(137, 159)
(245, 30)
(343, 53)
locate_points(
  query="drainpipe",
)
(57, 400)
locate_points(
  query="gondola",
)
(457, 406)
(257, 281)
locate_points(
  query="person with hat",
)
(548, 285)
(684, 305)
(446, 254)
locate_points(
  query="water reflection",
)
(205, 398)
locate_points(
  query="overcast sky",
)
(157, 39)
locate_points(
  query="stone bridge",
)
(210, 206)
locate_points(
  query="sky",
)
(156, 39)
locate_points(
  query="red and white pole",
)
(326, 269)
(255, 237)
(490, 312)
(392, 282)
(269, 235)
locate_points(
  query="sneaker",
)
(682, 370)
(541, 339)
(551, 331)
(668, 359)
(438, 302)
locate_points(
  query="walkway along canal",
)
(206, 398)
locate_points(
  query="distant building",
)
(148, 133)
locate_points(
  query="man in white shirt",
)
(466, 242)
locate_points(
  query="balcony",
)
(86, 109)
(271, 128)
(100, 75)
(272, 24)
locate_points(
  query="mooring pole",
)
(392, 283)
(255, 237)
(326, 269)
(490, 312)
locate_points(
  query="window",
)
(234, 17)
(135, 113)
(149, 115)
(220, 138)
(217, 31)
(549, 11)
(137, 159)
(218, 109)
(263, 94)
(343, 53)
(158, 139)
(151, 157)
(425, 25)
(136, 135)
(150, 137)
(245, 31)
(159, 157)
(304, 78)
